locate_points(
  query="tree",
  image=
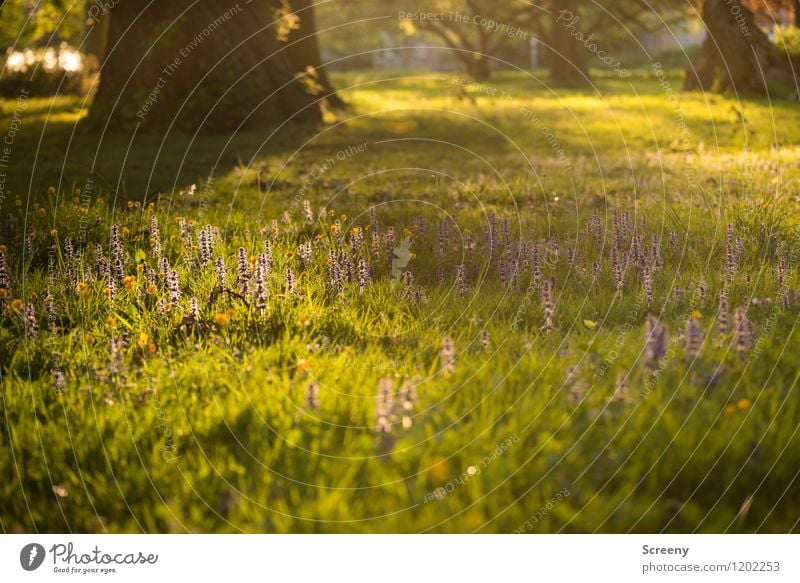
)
(568, 30)
(738, 55)
(215, 64)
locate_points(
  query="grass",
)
(129, 411)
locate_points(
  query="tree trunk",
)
(797, 13)
(567, 56)
(738, 55)
(305, 52)
(478, 67)
(181, 61)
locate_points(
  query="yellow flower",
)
(3, 248)
(42, 211)
(439, 469)
(111, 322)
(743, 404)
(220, 319)
(84, 291)
(15, 306)
(130, 204)
(730, 409)
(302, 365)
(106, 292)
(697, 314)
(343, 218)
(151, 289)
(303, 320)
(130, 282)
(140, 267)
(144, 340)
(51, 190)
(125, 231)
(4, 293)
(54, 232)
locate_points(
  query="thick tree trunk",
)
(478, 67)
(181, 61)
(738, 55)
(567, 56)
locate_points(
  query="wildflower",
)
(29, 314)
(743, 404)
(701, 293)
(448, 356)
(290, 281)
(242, 271)
(618, 266)
(194, 310)
(621, 387)
(50, 312)
(744, 332)
(302, 366)
(335, 272)
(130, 282)
(312, 396)
(205, 245)
(308, 213)
(385, 409)
(261, 289)
(548, 305)
(155, 238)
(594, 225)
(356, 240)
(305, 251)
(408, 285)
(722, 315)
(655, 341)
(647, 283)
(221, 272)
(364, 277)
(485, 342)
(730, 255)
(83, 290)
(407, 396)
(59, 380)
(5, 278)
(221, 319)
(173, 284)
(389, 241)
(115, 363)
(693, 337)
(536, 266)
(461, 280)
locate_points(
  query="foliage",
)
(788, 39)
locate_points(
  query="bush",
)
(788, 38)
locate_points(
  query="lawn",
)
(454, 307)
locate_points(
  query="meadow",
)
(455, 307)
